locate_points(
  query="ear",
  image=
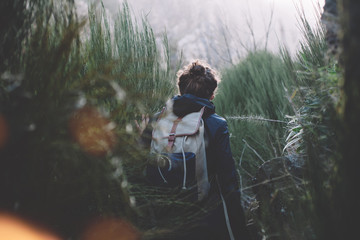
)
(212, 97)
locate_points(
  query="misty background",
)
(221, 31)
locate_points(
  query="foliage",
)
(255, 91)
(127, 54)
(16, 18)
(291, 196)
(311, 131)
(71, 89)
(293, 193)
(64, 157)
(253, 97)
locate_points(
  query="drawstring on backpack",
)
(170, 166)
(162, 176)
(184, 159)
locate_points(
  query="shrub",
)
(253, 98)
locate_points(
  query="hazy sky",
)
(195, 26)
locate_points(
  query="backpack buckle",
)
(171, 137)
(171, 141)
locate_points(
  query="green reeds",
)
(258, 97)
(69, 89)
(127, 53)
(253, 98)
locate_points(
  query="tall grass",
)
(127, 53)
(69, 93)
(295, 197)
(55, 67)
(253, 98)
(316, 96)
(285, 106)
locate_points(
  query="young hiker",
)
(197, 84)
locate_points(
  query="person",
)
(197, 84)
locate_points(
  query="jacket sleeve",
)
(228, 183)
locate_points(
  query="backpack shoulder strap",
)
(172, 134)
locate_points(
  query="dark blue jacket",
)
(221, 170)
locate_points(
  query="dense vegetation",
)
(283, 136)
(71, 89)
(254, 100)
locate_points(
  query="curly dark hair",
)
(198, 79)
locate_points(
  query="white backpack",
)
(178, 147)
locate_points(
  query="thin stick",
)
(254, 151)
(254, 118)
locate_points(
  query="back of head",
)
(198, 79)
